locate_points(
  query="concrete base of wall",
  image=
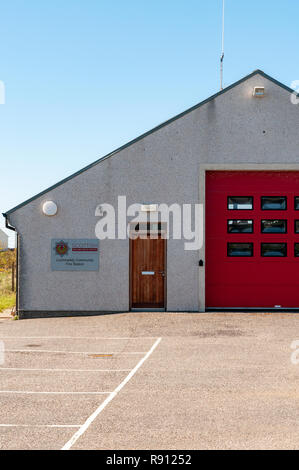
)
(24, 314)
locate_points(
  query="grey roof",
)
(160, 126)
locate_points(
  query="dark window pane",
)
(148, 226)
(240, 203)
(296, 203)
(240, 249)
(297, 250)
(276, 203)
(296, 226)
(274, 250)
(274, 226)
(240, 226)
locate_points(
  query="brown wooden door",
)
(148, 272)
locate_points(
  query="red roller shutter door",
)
(252, 256)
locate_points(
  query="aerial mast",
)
(222, 49)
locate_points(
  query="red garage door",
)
(252, 239)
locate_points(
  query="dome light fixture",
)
(50, 208)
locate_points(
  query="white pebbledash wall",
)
(163, 167)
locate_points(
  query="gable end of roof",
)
(155, 129)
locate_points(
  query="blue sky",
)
(83, 77)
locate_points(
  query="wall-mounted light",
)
(149, 207)
(50, 208)
(259, 92)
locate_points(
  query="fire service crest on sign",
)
(62, 248)
(75, 254)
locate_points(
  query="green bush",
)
(7, 297)
(7, 258)
(7, 301)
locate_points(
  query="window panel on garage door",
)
(252, 239)
(240, 226)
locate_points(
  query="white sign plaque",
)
(74, 254)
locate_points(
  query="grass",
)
(7, 297)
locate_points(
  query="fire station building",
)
(236, 156)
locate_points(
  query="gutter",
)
(10, 227)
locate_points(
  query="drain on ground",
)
(217, 333)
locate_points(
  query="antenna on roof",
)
(222, 51)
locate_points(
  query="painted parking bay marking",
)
(49, 351)
(112, 395)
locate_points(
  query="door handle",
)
(162, 272)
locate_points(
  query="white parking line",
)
(113, 394)
(21, 392)
(40, 425)
(79, 337)
(106, 353)
(65, 370)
